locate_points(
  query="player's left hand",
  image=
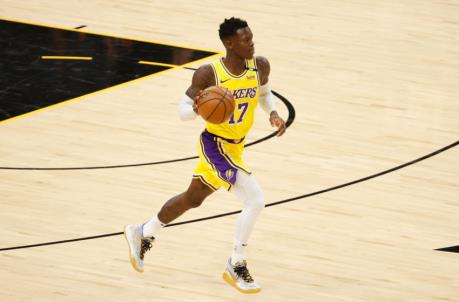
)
(277, 121)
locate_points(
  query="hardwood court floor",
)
(374, 85)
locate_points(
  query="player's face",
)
(242, 43)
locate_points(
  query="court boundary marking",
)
(450, 146)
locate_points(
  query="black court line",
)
(450, 146)
(290, 119)
(451, 249)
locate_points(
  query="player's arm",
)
(266, 98)
(202, 78)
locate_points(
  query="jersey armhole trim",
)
(215, 74)
(256, 71)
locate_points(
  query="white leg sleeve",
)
(249, 192)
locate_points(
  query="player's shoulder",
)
(262, 62)
(205, 70)
(204, 75)
(263, 67)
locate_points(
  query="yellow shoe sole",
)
(231, 282)
(131, 258)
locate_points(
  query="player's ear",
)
(228, 43)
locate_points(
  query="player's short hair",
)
(230, 26)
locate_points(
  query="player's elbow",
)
(187, 116)
(186, 111)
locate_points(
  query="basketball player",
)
(220, 150)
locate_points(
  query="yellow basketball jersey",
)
(245, 89)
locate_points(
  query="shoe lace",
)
(242, 272)
(146, 246)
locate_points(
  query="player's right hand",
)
(195, 103)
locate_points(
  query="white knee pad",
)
(248, 191)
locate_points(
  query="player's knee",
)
(195, 199)
(250, 192)
(258, 201)
(196, 193)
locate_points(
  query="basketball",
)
(215, 104)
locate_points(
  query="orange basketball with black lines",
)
(215, 104)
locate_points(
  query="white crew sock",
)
(239, 253)
(248, 191)
(151, 227)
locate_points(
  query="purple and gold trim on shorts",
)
(204, 181)
(230, 161)
(214, 153)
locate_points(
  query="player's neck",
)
(235, 64)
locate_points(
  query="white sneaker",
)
(239, 277)
(138, 245)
